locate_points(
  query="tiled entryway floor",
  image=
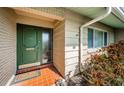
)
(47, 78)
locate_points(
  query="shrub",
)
(106, 67)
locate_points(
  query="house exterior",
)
(36, 35)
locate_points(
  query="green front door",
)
(28, 46)
(34, 46)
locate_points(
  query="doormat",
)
(25, 76)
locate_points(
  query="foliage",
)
(106, 67)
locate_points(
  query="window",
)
(90, 38)
(105, 38)
(96, 38)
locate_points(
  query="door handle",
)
(29, 49)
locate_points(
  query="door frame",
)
(18, 40)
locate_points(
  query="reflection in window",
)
(96, 38)
(45, 47)
(90, 38)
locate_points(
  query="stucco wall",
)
(72, 24)
(119, 35)
(7, 45)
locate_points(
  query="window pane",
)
(98, 38)
(105, 38)
(90, 38)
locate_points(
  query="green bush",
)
(106, 67)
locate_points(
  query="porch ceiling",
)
(93, 12)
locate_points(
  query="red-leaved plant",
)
(106, 67)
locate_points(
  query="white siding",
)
(119, 35)
(58, 47)
(7, 45)
(72, 23)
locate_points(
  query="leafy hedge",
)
(106, 67)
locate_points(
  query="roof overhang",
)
(115, 19)
(118, 12)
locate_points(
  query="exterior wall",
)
(65, 38)
(72, 24)
(119, 35)
(58, 47)
(7, 45)
(34, 21)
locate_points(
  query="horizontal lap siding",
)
(7, 45)
(119, 35)
(58, 47)
(73, 22)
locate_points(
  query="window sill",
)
(92, 50)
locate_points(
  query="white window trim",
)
(90, 50)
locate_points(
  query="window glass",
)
(90, 38)
(105, 38)
(98, 39)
